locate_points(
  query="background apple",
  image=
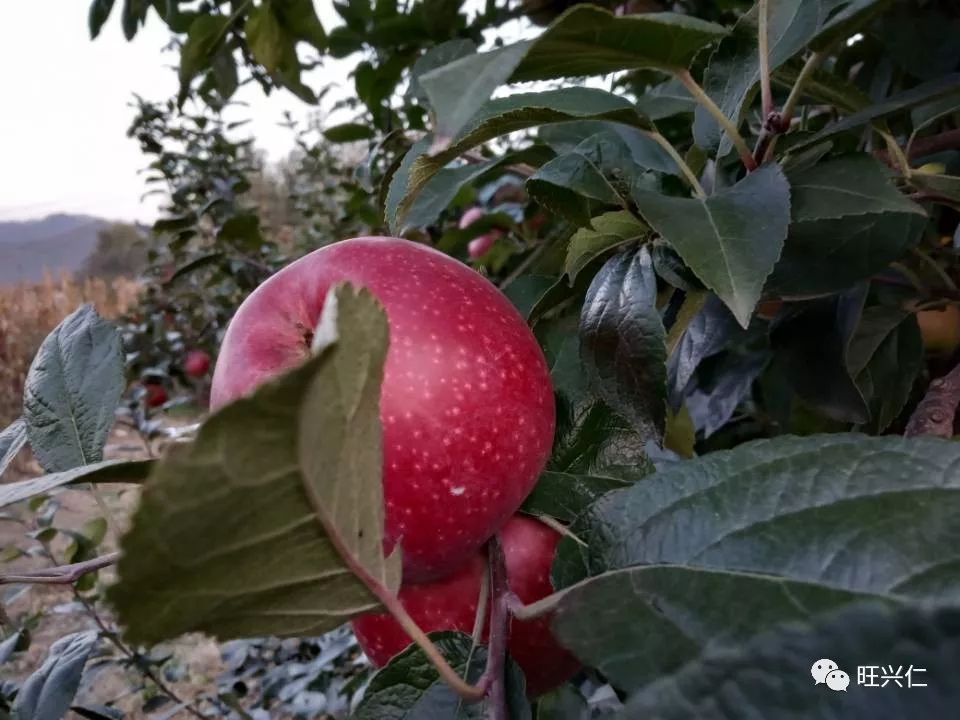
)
(156, 395)
(479, 245)
(466, 403)
(196, 364)
(940, 329)
(451, 604)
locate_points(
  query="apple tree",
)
(681, 426)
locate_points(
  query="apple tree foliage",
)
(731, 225)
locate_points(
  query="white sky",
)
(65, 109)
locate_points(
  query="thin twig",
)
(61, 574)
(499, 630)
(790, 106)
(766, 92)
(710, 106)
(949, 140)
(935, 414)
(675, 156)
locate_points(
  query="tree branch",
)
(499, 631)
(61, 574)
(935, 414)
(948, 140)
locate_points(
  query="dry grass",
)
(28, 312)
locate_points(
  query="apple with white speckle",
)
(466, 403)
(451, 604)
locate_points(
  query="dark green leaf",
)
(459, 89)
(503, 116)
(564, 495)
(728, 545)
(348, 132)
(437, 57)
(12, 440)
(189, 268)
(884, 358)
(400, 179)
(622, 341)
(108, 471)
(935, 185)
(892, 105)
(249, 503)
(731, 240)
(922, 43)
(770, 675)
(242, 229)
(845, 18)
(595, 140)
(670, 266)
(206, 33)
(923, 116)
(587, 40)
(670, 98)
(47, 693)
(732, 75)
(134, 12)
(823, 86)
(607, 231)
(573, 187)
(274, 47)
(72, 389)
(300, 19)
(223, 74)
(15, 642)
(97, 712)
(848, 222)
(713, 402)
(409, 687)
(526, 290)
(99, 12)
(814, 345)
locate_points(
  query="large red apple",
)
(451, 604)
(466, 402)
(196, 364)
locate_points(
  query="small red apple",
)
(466, 402)
(479, 245)
(451, 604)
(196, 364)
(156, 395)
(470, 216)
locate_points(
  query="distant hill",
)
(56, 242)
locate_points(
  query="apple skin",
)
(196, 364)
(156, 395)
(466, 403)
(940, 329)
(451, 604)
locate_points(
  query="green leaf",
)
(205, 34)
(770, 675)
(722, 547)
(714, 400)
(348, 132)
(848, 222)
(400, 180)
(892, 105)
(437, 57)
(923, 116)
(603, 143)
(12, 440)
(564, 495)
(666, 100)
(72, 389)
(444, 187)
(107, 471)
(300, 19)
(502, 117)
(253, 529)
(814, 346)
(47, 693)
(526, 290)
(275, 48)
(409, 687)
(823, 86)
(680, 433)
(99, 12)
(622, 341)
(459, 89)
(572, 187)
(845, 18)
(607, 231)
(731, 240)
(587, 40)
(733, 72)
(946, 187)
(134, 12)
(884, 358)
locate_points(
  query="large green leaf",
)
(587, 40)
(501, 117)
(670, 98)
(593, 137)
(409, 687)
(205, 34)
(892, 105)
(437, 57)
(12, 440)
(274, 47)
(606, 232)
(48, 693)
(731, 240)
(720, 548)
(253, 528)
(72, 390)
(299, 17)
(459, 89)
(734, 68)
(714, 399)
(916, 649)
(108, 471)
(847, 223)
(946, 187)
(823, 86)
(98, 14)
(623, 342)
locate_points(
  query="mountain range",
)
(57, 243)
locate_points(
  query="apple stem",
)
(499, 630)
(534, 610)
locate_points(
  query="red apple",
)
(451, 604)
(478, 246)
(156, 395)
(196, 364)
(466, 402)
(470, 216)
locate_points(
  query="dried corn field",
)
(29, 311)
